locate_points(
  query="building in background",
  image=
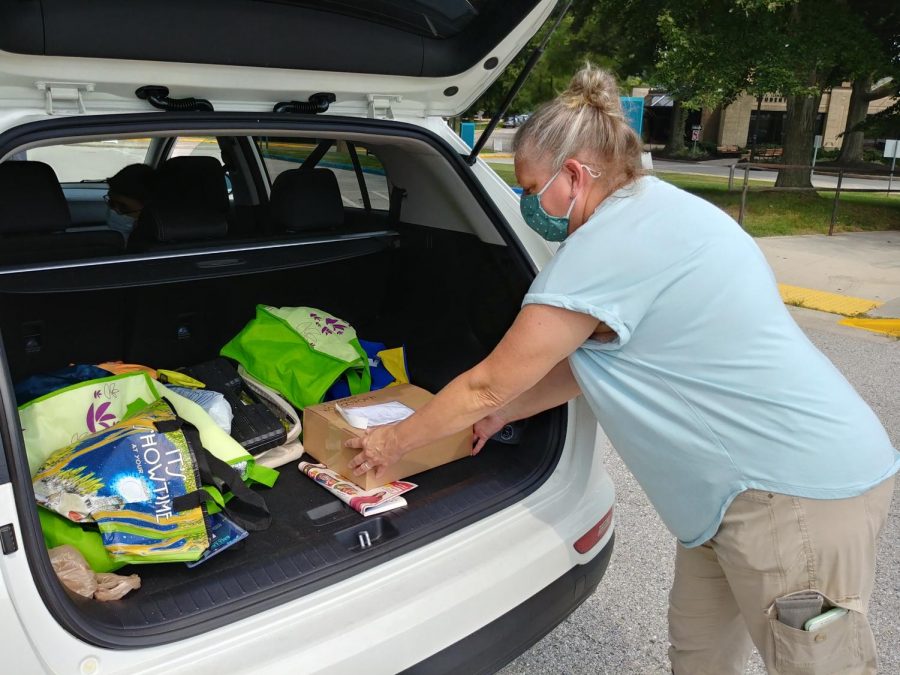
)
(732, 126)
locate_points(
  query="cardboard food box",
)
(325, 431)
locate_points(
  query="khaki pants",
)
(769, 546)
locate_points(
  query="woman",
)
(769, 468)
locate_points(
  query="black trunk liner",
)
(312, 540)
(445, 296)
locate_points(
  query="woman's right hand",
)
(485, 428)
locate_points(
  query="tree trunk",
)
(852, 141)
(799, 137)
(676, 132)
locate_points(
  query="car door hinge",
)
(381, 105)
(8, 540)
(65, 98)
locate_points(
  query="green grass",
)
(782, 213)
(785, 213)
(506, 172)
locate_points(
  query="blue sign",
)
(633, 107)
(467, 132)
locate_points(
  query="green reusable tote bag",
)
(300, 352)
(63, 417)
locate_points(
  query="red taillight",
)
(590, 538)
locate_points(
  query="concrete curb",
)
(824, 301)
(854, 309)
(883, 326)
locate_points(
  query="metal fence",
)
(841, 173)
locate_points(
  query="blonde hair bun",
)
(593, 87)
(585, 121)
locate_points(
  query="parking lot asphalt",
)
(621, 629)
(861, 264)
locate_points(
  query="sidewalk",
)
(852, 274)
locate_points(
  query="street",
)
(722, 169)
(501, 141)
(622, 630)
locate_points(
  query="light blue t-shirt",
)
(710, 388)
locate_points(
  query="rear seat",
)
(190, 205)
(34, 216)
(306, 201)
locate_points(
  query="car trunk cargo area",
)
(446, 296)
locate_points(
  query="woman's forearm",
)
(534, 349)
(557, 387)
(457, 406)
(464, 402)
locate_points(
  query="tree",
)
(703, 60)
(881, 62)
(620, 36)
(862, 93)
(815, 44)
(885, 124)
(712, 50)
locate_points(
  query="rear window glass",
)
(92, 160)
(283, 154)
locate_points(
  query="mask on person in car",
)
(120, 222)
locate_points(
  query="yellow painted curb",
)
(885, 326)
(826, 302)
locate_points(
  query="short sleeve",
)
(615, 279)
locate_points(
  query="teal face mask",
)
(551, 228)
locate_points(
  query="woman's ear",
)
(572, 167)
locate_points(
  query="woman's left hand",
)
(380, 448)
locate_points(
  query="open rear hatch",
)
(426, 57)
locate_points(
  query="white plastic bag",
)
(212, 402)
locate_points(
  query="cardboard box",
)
(325, 431)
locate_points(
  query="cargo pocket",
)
(834, 648)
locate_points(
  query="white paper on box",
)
(376, 415)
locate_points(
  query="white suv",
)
(359, 200)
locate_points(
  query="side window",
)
(91, 161)
(376, 180)
(193, 146)
(200, 146)
(282, 154)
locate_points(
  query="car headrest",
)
(304, 199)
(168, 223)
(31, 199)
(189, 203)
(193, 181)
